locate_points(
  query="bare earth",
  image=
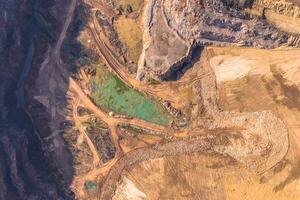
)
(240, 140)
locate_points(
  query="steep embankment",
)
(24, 173)
(171, 28)
(278, 13)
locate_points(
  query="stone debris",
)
(173, 28)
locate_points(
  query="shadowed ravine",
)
(24, 171)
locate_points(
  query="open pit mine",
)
(150, 100)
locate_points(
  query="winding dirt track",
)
(112, 121)
(115, 166)
(96, 157)
(109, 120)
(186, 146)
(112, 170)
(157, 92)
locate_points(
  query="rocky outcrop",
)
(215, 23)
(172, 27)
(284, 7)
(162, 46)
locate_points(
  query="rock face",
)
(218, 23)
(285, 7)
(24, 170)
(182, 24)
(162, 46)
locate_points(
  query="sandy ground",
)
(280, 21)
(193, 177)
(242, 136)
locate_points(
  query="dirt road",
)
(96, 157)
(157, 92)
(185, 146)
(111, 171)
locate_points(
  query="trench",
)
(178, 70)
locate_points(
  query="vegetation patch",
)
(135, 4)
(130, 34)
(100, 136)
(110, 92)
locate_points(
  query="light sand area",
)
(280, 21)
(128, 190)
(233, 63)
(248, 80)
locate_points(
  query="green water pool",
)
(110, 92)
(90, 186)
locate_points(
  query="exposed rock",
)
(285, 7)
(172, 28)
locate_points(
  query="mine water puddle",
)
(90, 186)
(109, 92)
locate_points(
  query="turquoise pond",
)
(109, 92)
(91, 186)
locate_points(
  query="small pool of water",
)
(110, 92)
(90, 186)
